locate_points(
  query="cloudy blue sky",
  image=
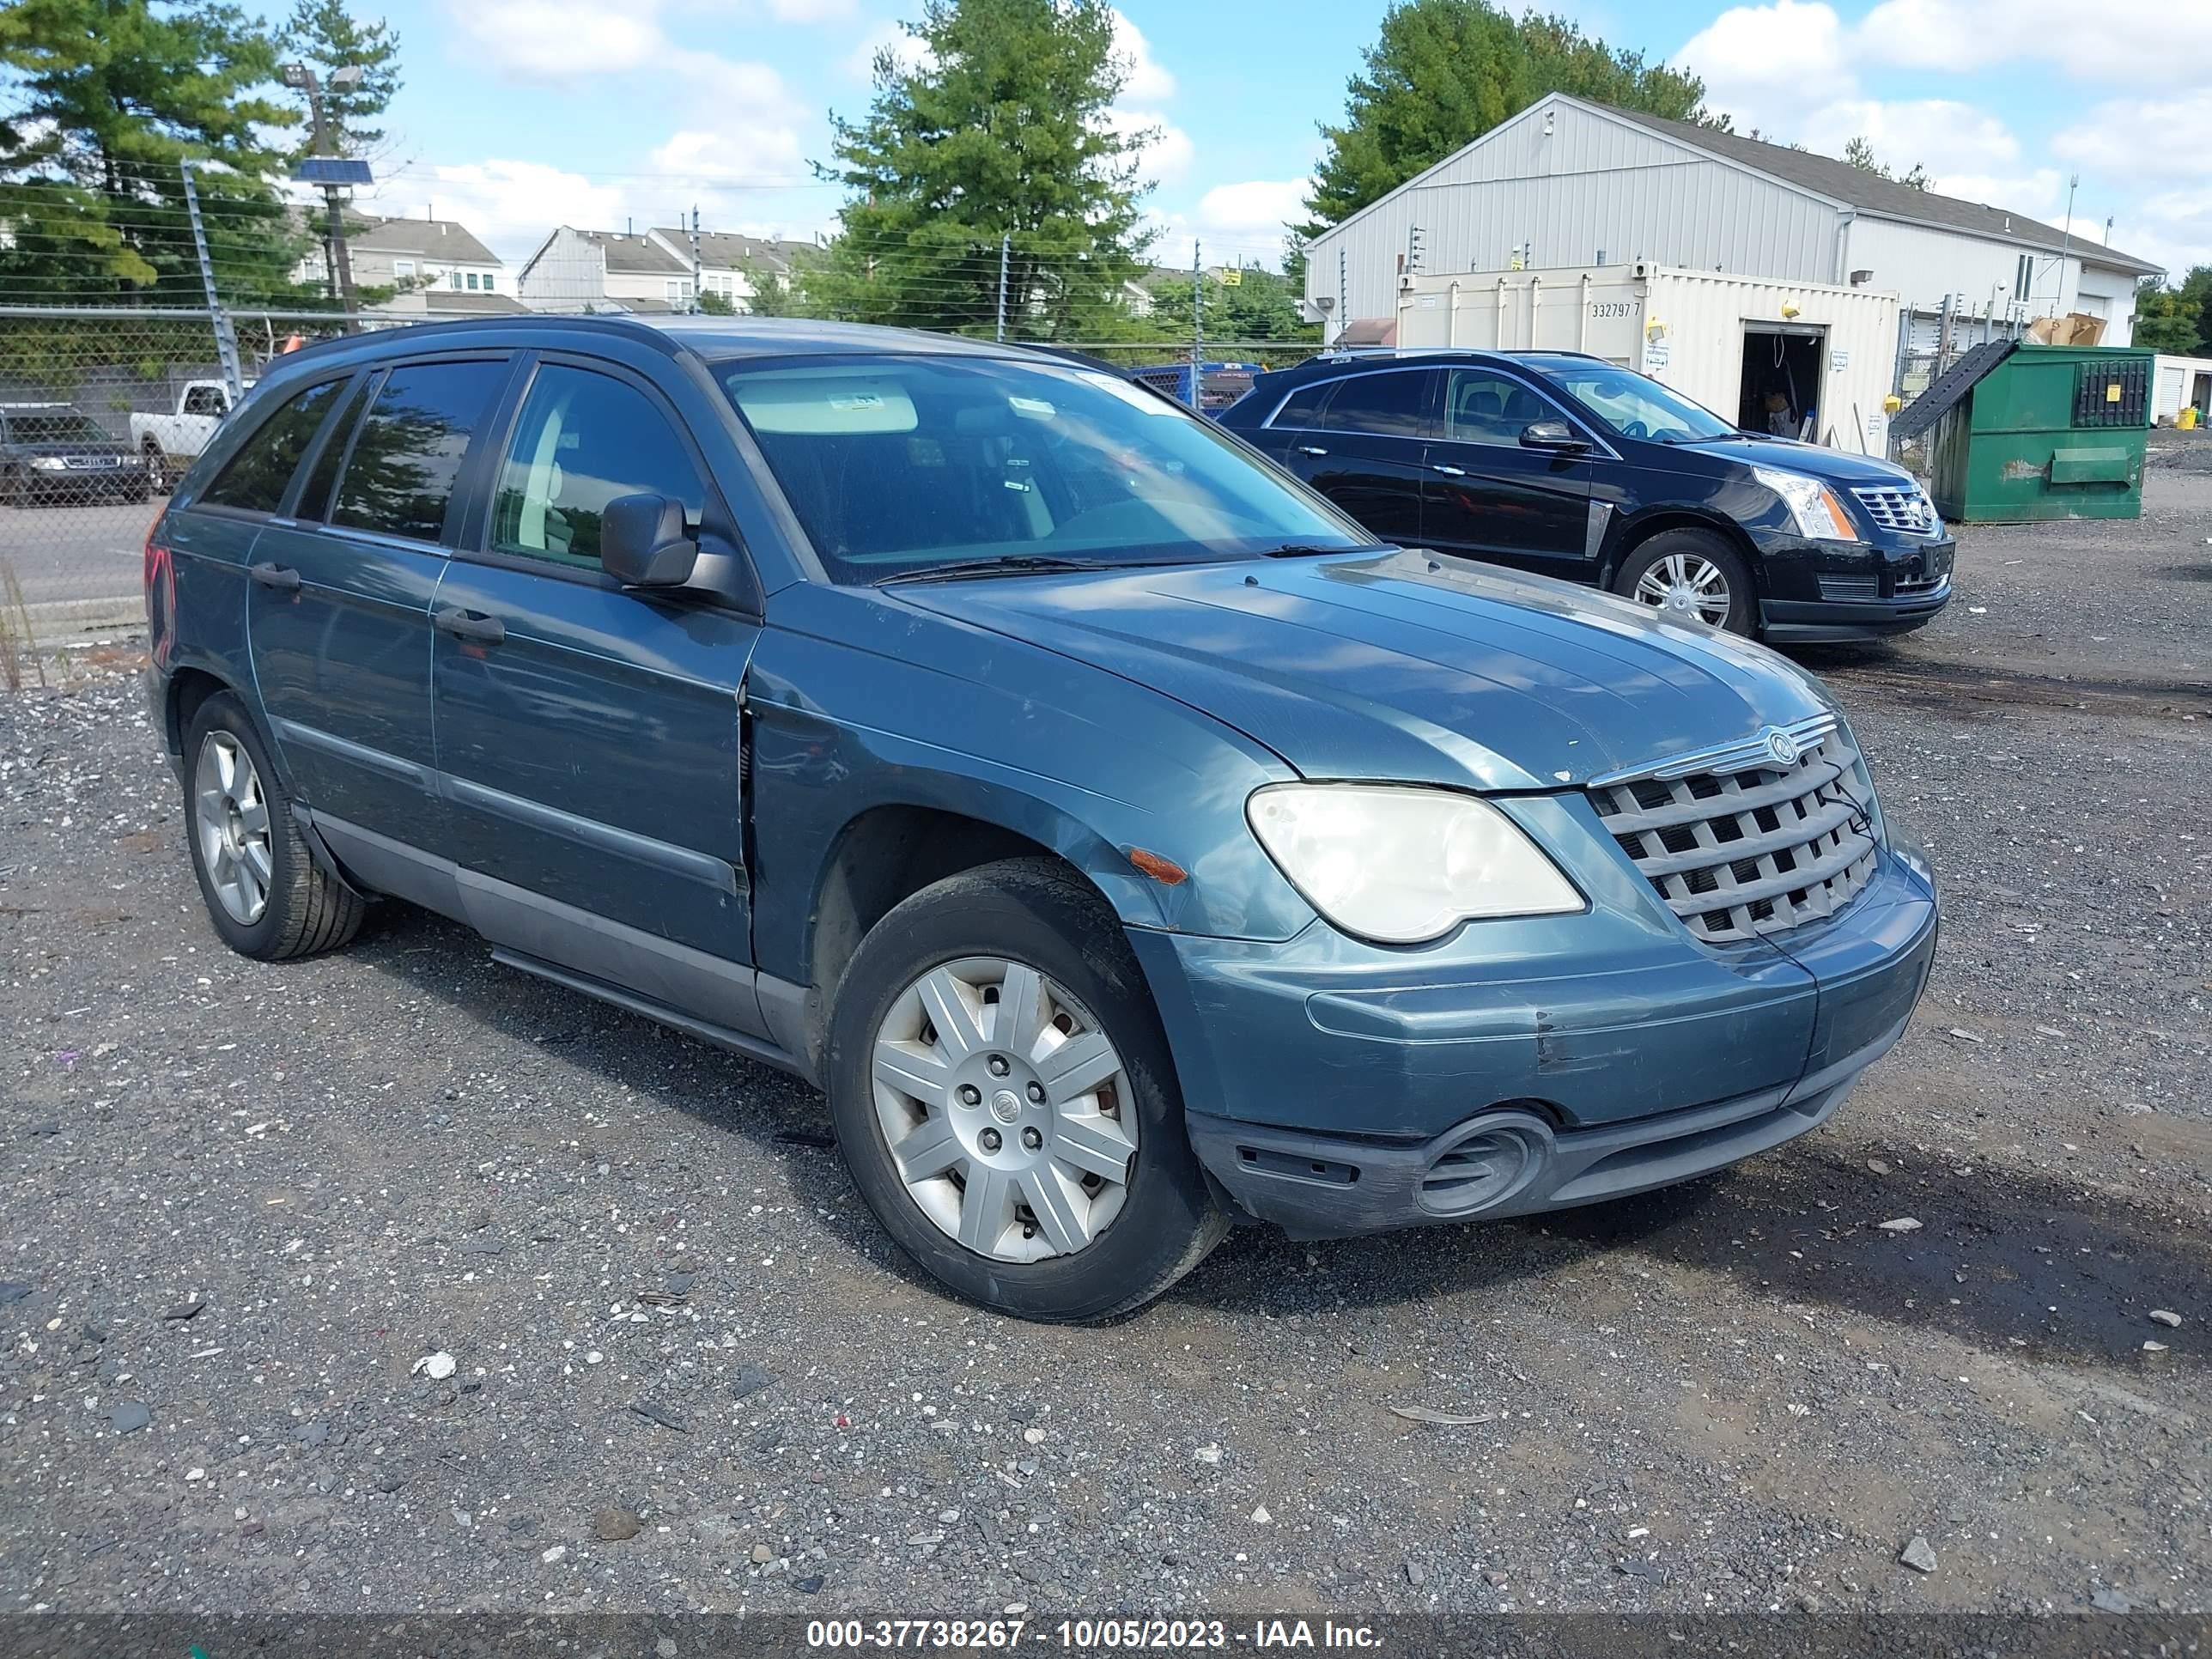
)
(520, 114)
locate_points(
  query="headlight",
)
(1401, 865)
(1813, 506)
(48, 462)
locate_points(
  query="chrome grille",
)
(1740, 843)
(1901, 508)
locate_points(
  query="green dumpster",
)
(2023, 431)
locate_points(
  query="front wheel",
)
(1692, 575)
(157, 470)
(1004, 1099)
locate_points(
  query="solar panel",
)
(332, 170)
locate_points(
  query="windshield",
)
(63, 426)
(1636, 407)
(904, 465)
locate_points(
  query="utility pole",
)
(300, 77)
(1343, 294)
(226, 340)
(1197, 322)
(2066, 241)
(1006, 256)
(697, 286)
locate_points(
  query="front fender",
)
(857, 704)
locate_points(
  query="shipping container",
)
(1799, 359)
(2179, 383)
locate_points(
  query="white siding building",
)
(604, 270)
(431, 264)
(728, 263)
(1571, 182)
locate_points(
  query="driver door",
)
(590, 736)
(1486, 496)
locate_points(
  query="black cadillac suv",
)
(1568, 465)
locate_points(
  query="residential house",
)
(729, 264)
(430, 264)
(604, 270)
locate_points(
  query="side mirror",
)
(1552, 434)
(643, 542)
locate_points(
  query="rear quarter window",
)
(255, 479)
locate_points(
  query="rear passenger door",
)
(1358, 441)
(591, 736)
(338, 606)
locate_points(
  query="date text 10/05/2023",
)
(1083, 1635)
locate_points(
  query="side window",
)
(581, 439)
(1302, 407)
(257, 476)
(1393, 405)
(400, 475)
(204, 400)
(1483, 408)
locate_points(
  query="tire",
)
(157, 470)
(302, 909)
(1697, 551)
(1139, 1235)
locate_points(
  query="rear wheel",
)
(266, 894)
(1004, 1099)
(1692, 575)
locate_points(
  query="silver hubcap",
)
(1005, 1110)
(1686, 585)
(232, 819)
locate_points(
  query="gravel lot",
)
(241, 1204)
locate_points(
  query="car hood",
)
(1834, 466)
(1404, 665)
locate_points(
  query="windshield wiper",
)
(1016, 564)
(1307, 549)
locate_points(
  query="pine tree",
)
(1444, 72)
(999, 130)
(327, 37)
(112, 95)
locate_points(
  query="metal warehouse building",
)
(1571, 182)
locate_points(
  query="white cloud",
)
(1168, 150)
(560, 39)
(510, 206)
(810, 11)
(1145, 81)
(908, 53)
(1235, 224)
(1259, 208)
(2128, 43)
(1787, 70)
(1767, 64)
(2144, 140)
(2173, 228)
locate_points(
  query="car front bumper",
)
(1332, 1099)
(1825, 590)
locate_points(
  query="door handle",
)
(469, 625)
(1449, 471)
(281, 577)
(1309, 449)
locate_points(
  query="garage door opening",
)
(1781, 390)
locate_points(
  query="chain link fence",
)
(101, 410)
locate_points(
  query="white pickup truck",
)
(169, 443)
